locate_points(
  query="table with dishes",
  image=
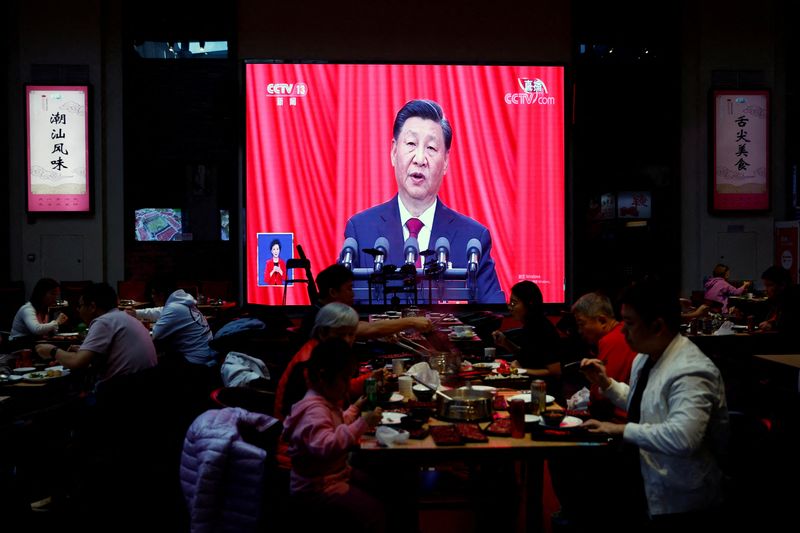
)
(428, 433)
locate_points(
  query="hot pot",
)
(464, 405)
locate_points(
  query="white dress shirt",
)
(424, 237)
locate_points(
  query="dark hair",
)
(42, 287)
(777, 275)
(274, 242)
(332, 277)
(102, 295)
(329, 359)
(652, 300)
(720, 270)
(425, 109)
(530, 295)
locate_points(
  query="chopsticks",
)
(576, 363)
(435, 391)
(413, 346)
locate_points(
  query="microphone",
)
(474, 250)
(411, 250)
(348, 252)
(382, 247)
(442, 251)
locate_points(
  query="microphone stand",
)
(378, 274)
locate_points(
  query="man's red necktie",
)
(414, 225)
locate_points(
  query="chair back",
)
(216, 289)
(291, 266)
(130, 289)
(71, 291)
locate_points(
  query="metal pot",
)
(445, 363)
(464, 405)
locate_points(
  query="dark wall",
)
(181, 143)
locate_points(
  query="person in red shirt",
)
(275, 269)
(598, 326)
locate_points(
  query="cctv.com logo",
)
(534, 91)
(283, 91)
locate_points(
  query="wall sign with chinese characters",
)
(741, 151)
(58, 148)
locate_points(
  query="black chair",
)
(132, 290)
(291, 266)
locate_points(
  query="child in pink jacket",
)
(718, 289)
(320, 436)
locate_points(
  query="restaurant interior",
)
(167, 137)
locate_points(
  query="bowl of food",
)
(423, 393)
(553, 417)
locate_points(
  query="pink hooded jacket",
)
(718, 290)
(319, 436)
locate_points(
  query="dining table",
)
(527, 454)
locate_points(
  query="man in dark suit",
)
(420, 154)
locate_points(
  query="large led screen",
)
(320, 150)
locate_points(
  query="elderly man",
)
(116, 345)
(420, 155)
(677, 413)
(599, 327)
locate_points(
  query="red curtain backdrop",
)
(313, 162)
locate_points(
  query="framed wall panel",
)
(58, 149)
(740, 175)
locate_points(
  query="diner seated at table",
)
(160, 290)
(598, 326)
(536, 346)
(783, 298)
(677, 422)
(320, 435)
(334, 320)
(335, 284)
(118, 447)
(718, 289)
(116, 344)
(31, 320)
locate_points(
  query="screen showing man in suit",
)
(420, 154)
(477, 155)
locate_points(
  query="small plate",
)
(568, 422)
(520, 371)
(486, 365)
(72, 334)
(480, 388)
(527, 398)
(9, 377)
(40, 376)
(531, 419)
(395, 397)
(24, 370)
(391, 418)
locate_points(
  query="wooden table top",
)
(792, 360)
